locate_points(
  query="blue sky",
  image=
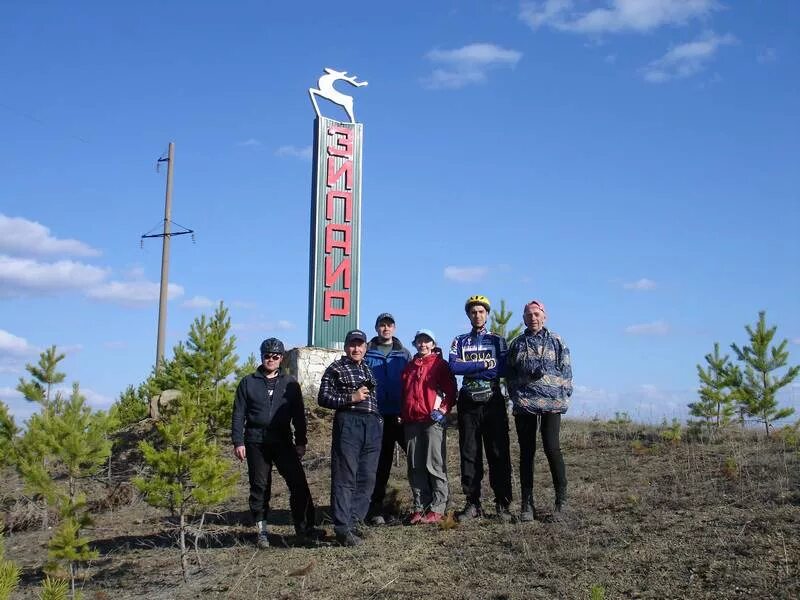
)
(631, 163)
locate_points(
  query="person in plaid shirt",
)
(348, 387)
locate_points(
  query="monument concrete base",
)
(307, 364)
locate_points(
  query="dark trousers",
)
(355, 448)
(484, 427)
(260, 458)
(393, 433)
(549, 425)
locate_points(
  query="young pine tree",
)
(758, 387)
(44, 376)
(131, 407)
(9, 572)
(498, 323)
(204, 366)
(187, 473)
(63, 444)
(8, 431)
(717, 404)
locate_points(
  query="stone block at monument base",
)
(307, 364)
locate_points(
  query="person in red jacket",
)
(429, 392)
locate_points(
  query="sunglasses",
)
(272, 356)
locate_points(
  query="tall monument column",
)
(335, 257)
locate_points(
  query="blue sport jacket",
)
(388, 370)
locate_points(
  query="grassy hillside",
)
(650, 518)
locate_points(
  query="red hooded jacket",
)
(423, 378)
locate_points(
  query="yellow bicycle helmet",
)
(478, 299)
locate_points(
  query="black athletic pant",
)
(260, 458)
(484, 427)
(393, 433)
(549, 425)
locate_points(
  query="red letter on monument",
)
(329, 310)
(330, 239)
(334, 174)
(342, 142)
(348, 204)
(331, 274)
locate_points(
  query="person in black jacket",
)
(268, 405)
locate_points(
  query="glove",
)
(437, 417)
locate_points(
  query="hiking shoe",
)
(376, 520)
(263, 540)
(416, 517)
(471, 511)
(349, 539)
(561, 512)
(503, 514)
(432, 517)
(527, 514)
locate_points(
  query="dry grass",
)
(651, 518)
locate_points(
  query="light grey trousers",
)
(426, 453)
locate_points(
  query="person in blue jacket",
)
(387, 358)
(479, 356)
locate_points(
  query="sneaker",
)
(471, 511)
(432, 517)
(416, 517)
(263, 540)
(349, 539)
(503, 514)
(376, 520)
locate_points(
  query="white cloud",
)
(654, 328)
(303, 153)
(643, 403)
(198, 302)
(19, 236)
(686, 59)
(132, 293)
(796, 341)
(14, 345)
(115, 345)
(641, 285)
(616, 16)
(21, 276)
(767, 55)
(95, 399)
(7, 393)
(251, 142)
(465, 274)
(264, 326)
(244, 304)
(468, 65)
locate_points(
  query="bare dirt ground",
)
(649, 519)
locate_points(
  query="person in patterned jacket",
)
(480, 357)
(348, 387)
(539, 379)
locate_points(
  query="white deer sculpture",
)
(327, 91)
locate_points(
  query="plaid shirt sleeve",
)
(333, 392)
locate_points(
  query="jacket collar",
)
(375, 342)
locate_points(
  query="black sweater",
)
(259, 418)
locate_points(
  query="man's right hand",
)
(239, 452)
(360, 394)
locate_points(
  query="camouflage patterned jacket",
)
(539, 373)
